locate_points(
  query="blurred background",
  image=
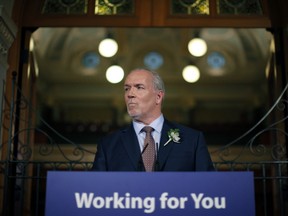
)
(224, 96)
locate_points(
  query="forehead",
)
(138, 77)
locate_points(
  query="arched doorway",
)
(145, 14)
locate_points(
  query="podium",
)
(77, 193)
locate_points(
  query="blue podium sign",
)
(157, 193)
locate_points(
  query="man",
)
(177, 148)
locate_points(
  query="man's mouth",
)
(131, 104)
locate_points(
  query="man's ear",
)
(159, 97)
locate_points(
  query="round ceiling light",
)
(108, 47)
(191, 74)
(114, 74)
(197, 47)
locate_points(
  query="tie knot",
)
(147, 129)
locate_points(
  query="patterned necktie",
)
(148, 153)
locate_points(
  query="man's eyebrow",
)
(136, 85)
(126, 86)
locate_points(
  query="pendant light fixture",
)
(191, 73)
(197, 46)
(114, 74)
(108, 47)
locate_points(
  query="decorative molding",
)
(7, 31)
(3, 49)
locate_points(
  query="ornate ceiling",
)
(66, 84)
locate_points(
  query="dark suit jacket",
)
(120, 151)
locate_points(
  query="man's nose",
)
(130, 93)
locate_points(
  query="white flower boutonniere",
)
(173, 135)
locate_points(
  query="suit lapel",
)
(164, 150)
(130, 142)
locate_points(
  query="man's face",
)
(142, 100)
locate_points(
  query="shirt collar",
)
(157, 124)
